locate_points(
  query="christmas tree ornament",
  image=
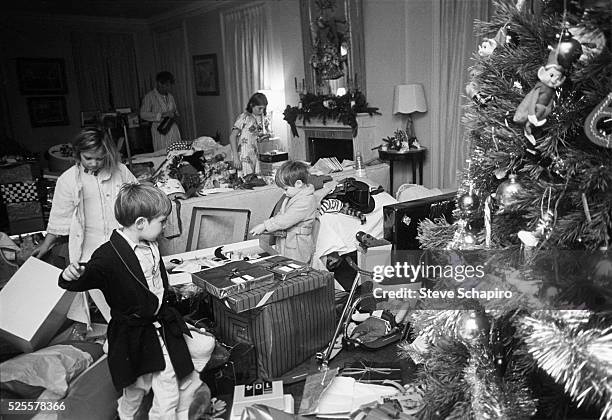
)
(497, 346)
(467, 241)
(600, 271)
(592, 40)
(517, 87)
(594, 125)
(585, 207)
(502, 37)
(538, 103)
(473, 91)
(506, 193)
(543, 230)
(472, 327)
(500, 173)
(468, 202)
(544, 226)
(567, 51)
(512, 38)
(463, 238)
(486, 48)
(487, 221)
(559, 167)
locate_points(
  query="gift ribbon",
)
(368, 370)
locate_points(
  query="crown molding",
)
(191, 9)
(75, 19)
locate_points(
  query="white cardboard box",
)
(266, 393)
(32, 306)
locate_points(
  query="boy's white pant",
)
(170, 399)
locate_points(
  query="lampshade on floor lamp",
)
(408, 99)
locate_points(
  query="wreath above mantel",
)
(343, 109)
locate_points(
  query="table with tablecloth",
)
(260, 201)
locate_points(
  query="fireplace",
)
(317, 139)
(324, 147)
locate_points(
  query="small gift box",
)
(232, 278)
(283, 268)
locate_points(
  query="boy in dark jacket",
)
(146, 347)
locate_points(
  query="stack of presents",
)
(280, 312)
(272, 313)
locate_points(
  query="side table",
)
(415, 156)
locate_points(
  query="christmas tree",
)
(536, 200)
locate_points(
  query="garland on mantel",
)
(343, 109)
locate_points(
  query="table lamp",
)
(406, 100)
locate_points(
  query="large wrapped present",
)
(282, 289)
(284, 332)
(32, 306)
(232, 278)
(283, 268)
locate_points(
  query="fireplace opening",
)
(323, 147)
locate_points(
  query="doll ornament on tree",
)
(537, 104)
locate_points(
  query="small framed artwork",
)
(90, 118)
(47, 111)
(206, 74)
(41, 76)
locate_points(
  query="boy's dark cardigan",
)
(133, 345)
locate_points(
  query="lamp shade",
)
(409, 98)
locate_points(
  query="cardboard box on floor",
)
(32, 306)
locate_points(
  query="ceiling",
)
(130, 9)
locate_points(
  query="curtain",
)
(172, 57)
(246, 54)
(107, 75)
(456, 44)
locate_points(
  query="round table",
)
(415, 156)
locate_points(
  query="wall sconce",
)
(406, 100)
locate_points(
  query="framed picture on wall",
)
(90, 118)
(47, 111)
(206, 74)
(41, 76)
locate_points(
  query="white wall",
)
(288, 33)
(398, 49)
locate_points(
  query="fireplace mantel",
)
(366, 136)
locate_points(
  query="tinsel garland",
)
(492, 398)
(563, 343)
(574, 355)
(460, 377)
(343, 109)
